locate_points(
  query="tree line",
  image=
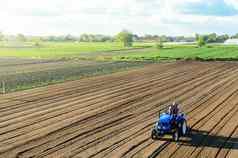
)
(125, 37)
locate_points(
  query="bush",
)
(201, 41)
(159, 45)
(209, 46)
(37, 44)
(125, 37)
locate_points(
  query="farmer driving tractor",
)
(173, 109)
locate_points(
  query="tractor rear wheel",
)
(176, 135)
(184, 128)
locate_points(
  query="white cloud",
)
(108, 17)
(233, 3)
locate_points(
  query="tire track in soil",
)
(229, 145)
(122, 125)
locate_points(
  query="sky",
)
(162, 17)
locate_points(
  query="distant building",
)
(231, 41)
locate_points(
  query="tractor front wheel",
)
(154, 134)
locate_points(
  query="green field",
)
(59, 49)
(115, 51)
(211, 52)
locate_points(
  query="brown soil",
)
(112, 115)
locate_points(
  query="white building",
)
(231, 41)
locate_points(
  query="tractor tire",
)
(176, 135)
(183, 128)
(154, 135)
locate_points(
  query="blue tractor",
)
(170, 124)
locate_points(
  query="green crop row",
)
(20, 81)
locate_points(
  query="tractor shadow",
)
(200, 138)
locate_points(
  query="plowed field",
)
(112, 116)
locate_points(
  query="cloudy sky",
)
(170, 17)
